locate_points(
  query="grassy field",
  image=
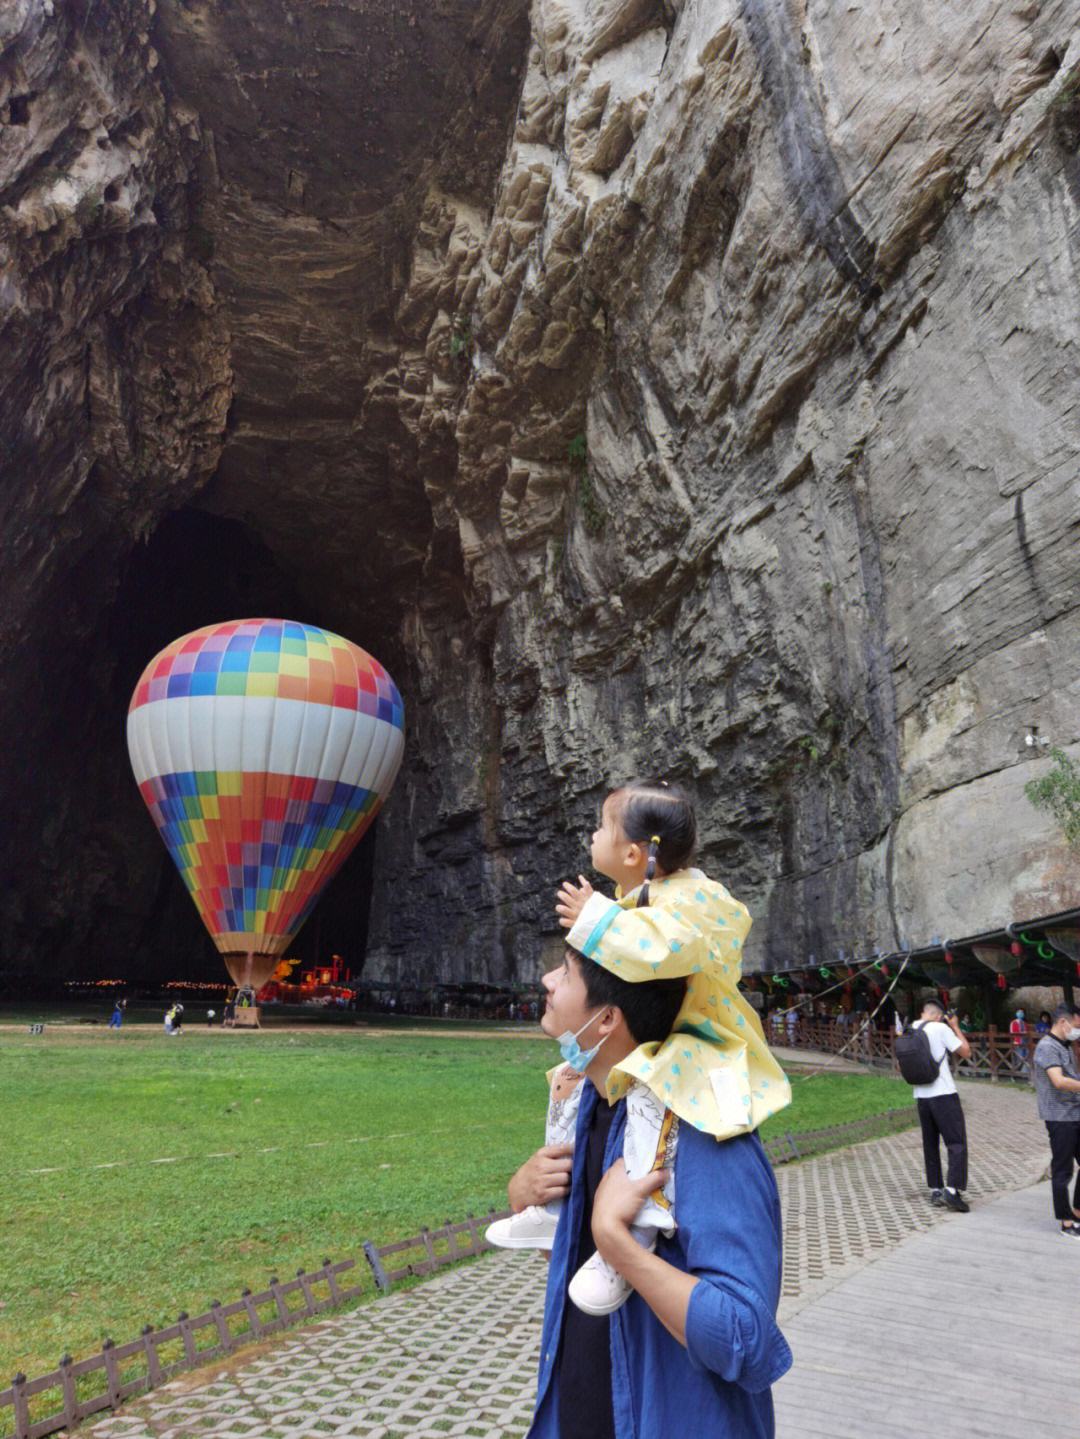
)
(276, 1149)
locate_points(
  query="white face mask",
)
(1072, 1035)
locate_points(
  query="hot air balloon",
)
(263, 750)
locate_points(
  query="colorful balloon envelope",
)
(263, 749)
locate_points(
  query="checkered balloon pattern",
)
(263, 750)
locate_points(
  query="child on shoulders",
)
(714, 1070)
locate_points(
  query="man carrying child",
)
(696, 1348)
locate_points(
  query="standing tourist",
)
(1018, 1030)
(711, 1068)
(1057, 1086)
(941, 1114)
(695, 1349)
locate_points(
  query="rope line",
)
(805, 1078)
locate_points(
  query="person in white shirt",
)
(941, 1114)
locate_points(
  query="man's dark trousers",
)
(1064, 1152)
(943, 1118)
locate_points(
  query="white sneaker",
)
(533, 1228)
(598, 1289)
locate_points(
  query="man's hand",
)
(665, 1289)
(617, 1200)
(964, 1052)
(571, 900)
(542, 1178)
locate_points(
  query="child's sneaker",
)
(598, 1289)
(533, 1228)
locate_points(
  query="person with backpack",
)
(922, 1053)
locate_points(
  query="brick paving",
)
(846, 1209)
(974, 1322)
(456, 1356)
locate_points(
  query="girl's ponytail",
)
(650, 871)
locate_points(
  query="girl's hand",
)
(571, 900)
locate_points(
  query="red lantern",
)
(1017, 949)
(949, 958)
(1001, 982)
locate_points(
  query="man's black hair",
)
(649, 1008)
(933, 1003)
(1066, 1011)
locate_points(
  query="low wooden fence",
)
(782, 1149)
(122, 1371)
(84, 1387)
(995, 1055)
(163, 1353)
(430, 1251)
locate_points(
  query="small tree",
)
(1059, 792)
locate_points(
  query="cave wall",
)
(114, 388)
(680, 387)
(766, 465)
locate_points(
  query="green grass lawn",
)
(283, 1148)
(821, 1100)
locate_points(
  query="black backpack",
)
(915, 1057)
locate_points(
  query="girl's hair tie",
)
(650, 870)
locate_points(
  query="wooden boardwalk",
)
(971, 1328)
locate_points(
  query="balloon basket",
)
(245, 1010)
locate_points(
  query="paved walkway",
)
(968, 1330)
(456, 1355)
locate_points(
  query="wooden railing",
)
(995, 1054)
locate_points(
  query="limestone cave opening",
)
(120, 907)
(197, 568)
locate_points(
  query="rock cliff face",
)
(681, 387)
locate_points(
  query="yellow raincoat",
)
(715, 1069)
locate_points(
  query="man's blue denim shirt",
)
(729, 1237)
